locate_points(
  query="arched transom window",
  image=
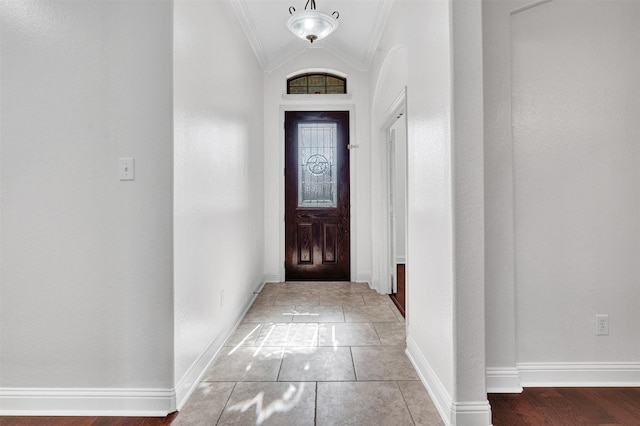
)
(316, 83)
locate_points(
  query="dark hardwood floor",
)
(87, 421)
(567, 406)
(399, 297)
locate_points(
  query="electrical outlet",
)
(602, 325)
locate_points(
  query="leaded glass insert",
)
(316, 83)
(317, 154)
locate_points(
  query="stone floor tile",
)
(361, 403)
(265, 299)
(359, 287)
(268, 287)
(313, 353)
(269, 314)
(288, 334)
(391, 333)
(369, 314)
(328, 313)
(205, 405)
(422, 410)
(347, 334)
(338, 298)
(317, 364)
(303, 285)
(382, 363)
(300, 288)
(278, 403)
(398, 315)
(332, 286)
(244, 364)
(245, 335)
(377, 299)
(296, 299)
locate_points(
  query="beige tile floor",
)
(327, 353)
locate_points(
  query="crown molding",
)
(384, 9)
(241, 9)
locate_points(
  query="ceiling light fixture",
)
(310, 24)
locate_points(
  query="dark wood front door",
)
(317, 195)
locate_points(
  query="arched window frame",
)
(327, 87)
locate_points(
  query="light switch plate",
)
(127, 169)
(602, 325)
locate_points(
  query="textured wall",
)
(468, 211)
(576, 103)
(429, 241)
(445, 223)
(86, 266)
(400, 190)
(218, 178)
(498, 158)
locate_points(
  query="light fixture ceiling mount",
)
(310, 24)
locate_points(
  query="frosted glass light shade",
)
(312, 25)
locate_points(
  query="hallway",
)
(322, 353)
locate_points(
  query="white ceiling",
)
(355, 41)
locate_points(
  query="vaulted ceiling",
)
(361, 23)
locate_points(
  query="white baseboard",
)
(115, 402)
(503, 380)
(188, 383)
(86, 402)
(364, 278)
(471, 413)
(562, 374)
(577, 374)
(466, 413)
(438, 393)
(272, 278)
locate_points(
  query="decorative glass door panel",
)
(317, 152)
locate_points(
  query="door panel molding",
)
(330, 243)
(305, 245)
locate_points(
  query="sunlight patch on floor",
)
(288, 401)
(242, 342)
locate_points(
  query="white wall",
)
(429, 262)
(470, 404)
(576, 98)
(499, 233)
(388, 79)
(444, 328)
(400, 188)
(218, 181)
(568, 181)
(86, 264)
(275, 84)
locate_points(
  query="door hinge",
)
(351, 146)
